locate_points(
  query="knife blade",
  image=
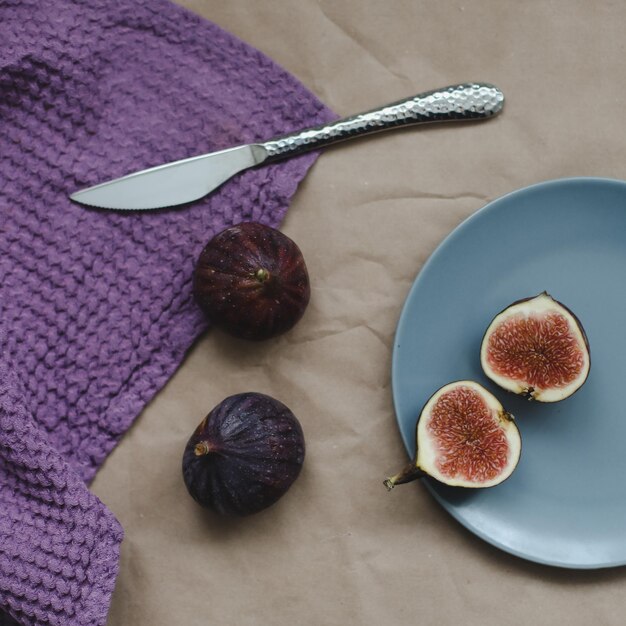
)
(173, 183)
(184, 181)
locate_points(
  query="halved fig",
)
(465, 438)
(536, 348)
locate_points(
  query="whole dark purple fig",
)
(244, 455)
(251, 281)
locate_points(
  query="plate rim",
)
(490, 206)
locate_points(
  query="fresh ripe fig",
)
(536, 348)
(244, 455)
(251, 281)
(465, 438)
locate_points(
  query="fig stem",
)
(202, 448)
(406, 475)
(262, 275)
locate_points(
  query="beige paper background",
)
(338, 549)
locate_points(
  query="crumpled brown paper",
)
(339, 549)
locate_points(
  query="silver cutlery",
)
(181, 182)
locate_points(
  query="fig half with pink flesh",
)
(536, 348)
(465, 438)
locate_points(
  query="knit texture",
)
(96, 307)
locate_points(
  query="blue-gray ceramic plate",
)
(565, 504)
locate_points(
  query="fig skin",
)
(251, 280)
(244, 455)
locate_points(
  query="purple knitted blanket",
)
(96, 309)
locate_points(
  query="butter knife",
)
(180, 182)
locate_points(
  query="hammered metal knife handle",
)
(456, 103)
